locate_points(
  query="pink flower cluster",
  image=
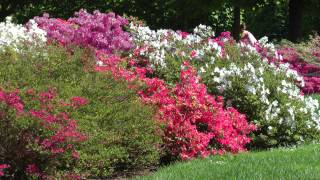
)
(99, 30)
(2, 167)
(63, 129)
(56, 133)
(13, 100)
(196, 124)
(310, 72)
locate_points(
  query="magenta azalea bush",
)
(2, 168)
(310, 72)
(98, 30)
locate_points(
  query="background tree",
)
(293, 19)
(296, 8)
(9, 7)
(237, 6)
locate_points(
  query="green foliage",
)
(121, 131)
(221, 19)
(269, 20)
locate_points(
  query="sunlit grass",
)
(286, 163)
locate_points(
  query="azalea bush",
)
(2, 168)
(269, 96)
(252, 78)
(38, 137)
(196, 123)
(304, 58)
(99, 30)
(121, 132)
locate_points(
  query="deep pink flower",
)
(2, 167)
(77, 101)
(32, 169)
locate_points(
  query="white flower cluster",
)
(282, 68)
(255, 85)
(264, 43)
(157, 44)
(253, 78)
(312, 105)
(203, 31)
(17, 37)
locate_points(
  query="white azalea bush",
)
(17, 38)
(269, 96)
(250, 78)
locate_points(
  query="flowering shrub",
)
(283, 115)
(21, 38)
(304, 58)
(156, 45)
(99, 30)
(196, 124)
(253, 79)
(38, 139)
(121, 131)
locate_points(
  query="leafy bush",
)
(39, 140)
(121, 132)
(267, 94)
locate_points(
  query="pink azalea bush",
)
(310, 72)
(298, 58)
(38, 132)
(98, 30)
(195, 123)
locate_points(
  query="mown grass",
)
(286, 163)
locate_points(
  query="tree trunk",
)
(236, 23)
(295, 19)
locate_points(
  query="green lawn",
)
(290, 163)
